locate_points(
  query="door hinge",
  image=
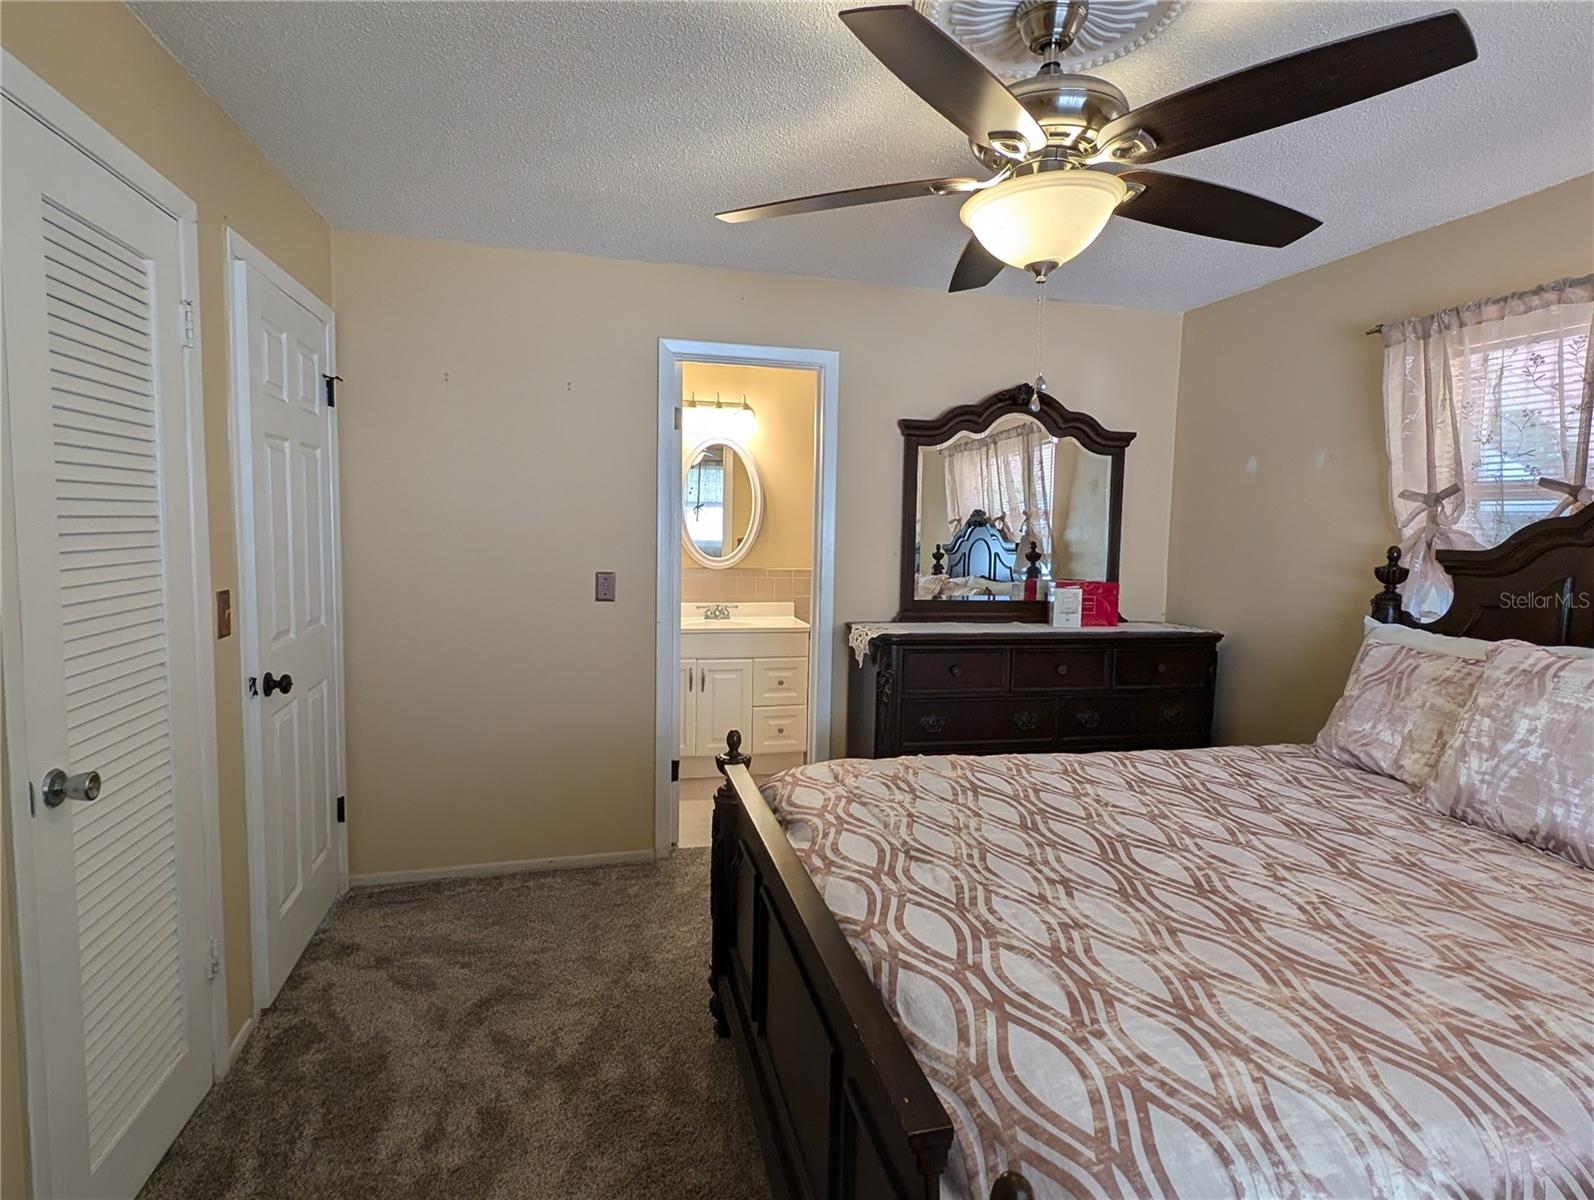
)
(677, 416)
(675, 770)
(32, 810)
(340, 810)
(332, 389)
(213, 967)
(189, 336)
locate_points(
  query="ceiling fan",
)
(1068, 152)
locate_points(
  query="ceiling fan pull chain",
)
(1040, 329)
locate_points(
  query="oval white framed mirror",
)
(722, 503)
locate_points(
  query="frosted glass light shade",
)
(1046, 218)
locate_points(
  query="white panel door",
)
(293, 657)
(687, 707)
(100, 477)
(724, 701)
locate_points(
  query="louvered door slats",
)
(102, 371)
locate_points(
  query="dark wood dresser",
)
(994, 689)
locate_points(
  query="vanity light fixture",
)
(702, 420)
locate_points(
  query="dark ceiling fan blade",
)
(976, 268)
(1298, 86)
(850, 198)
(946, 77)
(1212, 210)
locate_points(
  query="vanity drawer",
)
(1055, 669)
(928, 724)
(1184, 666)
(954, 671)
(780, 730)
(780, 681)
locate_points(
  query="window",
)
(1525, 400)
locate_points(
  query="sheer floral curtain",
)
(1487, 413)
(1008, 474)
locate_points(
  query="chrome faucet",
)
(716, 612)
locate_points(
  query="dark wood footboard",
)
(842, 1108)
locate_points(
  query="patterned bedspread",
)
(1234, 972)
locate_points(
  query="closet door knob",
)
(60, 787)
(270, 683)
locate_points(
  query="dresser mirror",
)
(996, 492)
(722, 503)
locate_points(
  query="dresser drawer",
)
(780, 730)
(1055, 669)
(954, 670)
(1183, 666)
(780, 681)
(1149, 713)
(928, 724)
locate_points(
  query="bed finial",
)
(1010, 1185)
(1386, 605)
(733, 752)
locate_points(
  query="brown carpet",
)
(529, 1036)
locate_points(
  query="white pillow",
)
(1422, 639)
(1438, 643)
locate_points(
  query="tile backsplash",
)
(702, 586)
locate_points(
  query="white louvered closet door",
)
(101, 481)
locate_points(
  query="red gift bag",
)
(1100, 600)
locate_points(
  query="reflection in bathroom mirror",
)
(722, 502)
(984, 497)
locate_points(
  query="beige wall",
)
(107, 64)
(782, 446)
(495, 712)
(1285, 380)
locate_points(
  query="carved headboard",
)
(979, 551)
(1536, 586)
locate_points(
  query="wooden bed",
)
(842, 1107)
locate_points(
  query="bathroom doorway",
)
(746, 540)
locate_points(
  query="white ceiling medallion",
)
(987, 30)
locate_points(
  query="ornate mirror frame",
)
(1058, 421)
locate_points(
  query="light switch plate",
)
(605, 586)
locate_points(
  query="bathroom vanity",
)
(743, 666)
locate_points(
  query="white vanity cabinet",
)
(719, 696)
(742, 676)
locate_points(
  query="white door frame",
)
(65, 119)
(240, 257)
(826, 365)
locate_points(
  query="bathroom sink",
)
(745, 617)
(710, 625)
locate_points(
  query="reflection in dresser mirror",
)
(722, 503)
(1016, 486)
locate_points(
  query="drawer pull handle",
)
(932, 723)
(780, 683)
(1173, 714)
(1026, 720)
(1062, 668)
(1088, 717)
(1162, 668)
(780, 729)
(955, 670)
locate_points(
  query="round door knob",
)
(270, 683)
(59, 787)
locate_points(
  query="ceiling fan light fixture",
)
(1047, 218)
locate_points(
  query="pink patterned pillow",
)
(1522, 760)
(1399, 708)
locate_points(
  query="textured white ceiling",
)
(618, 129)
